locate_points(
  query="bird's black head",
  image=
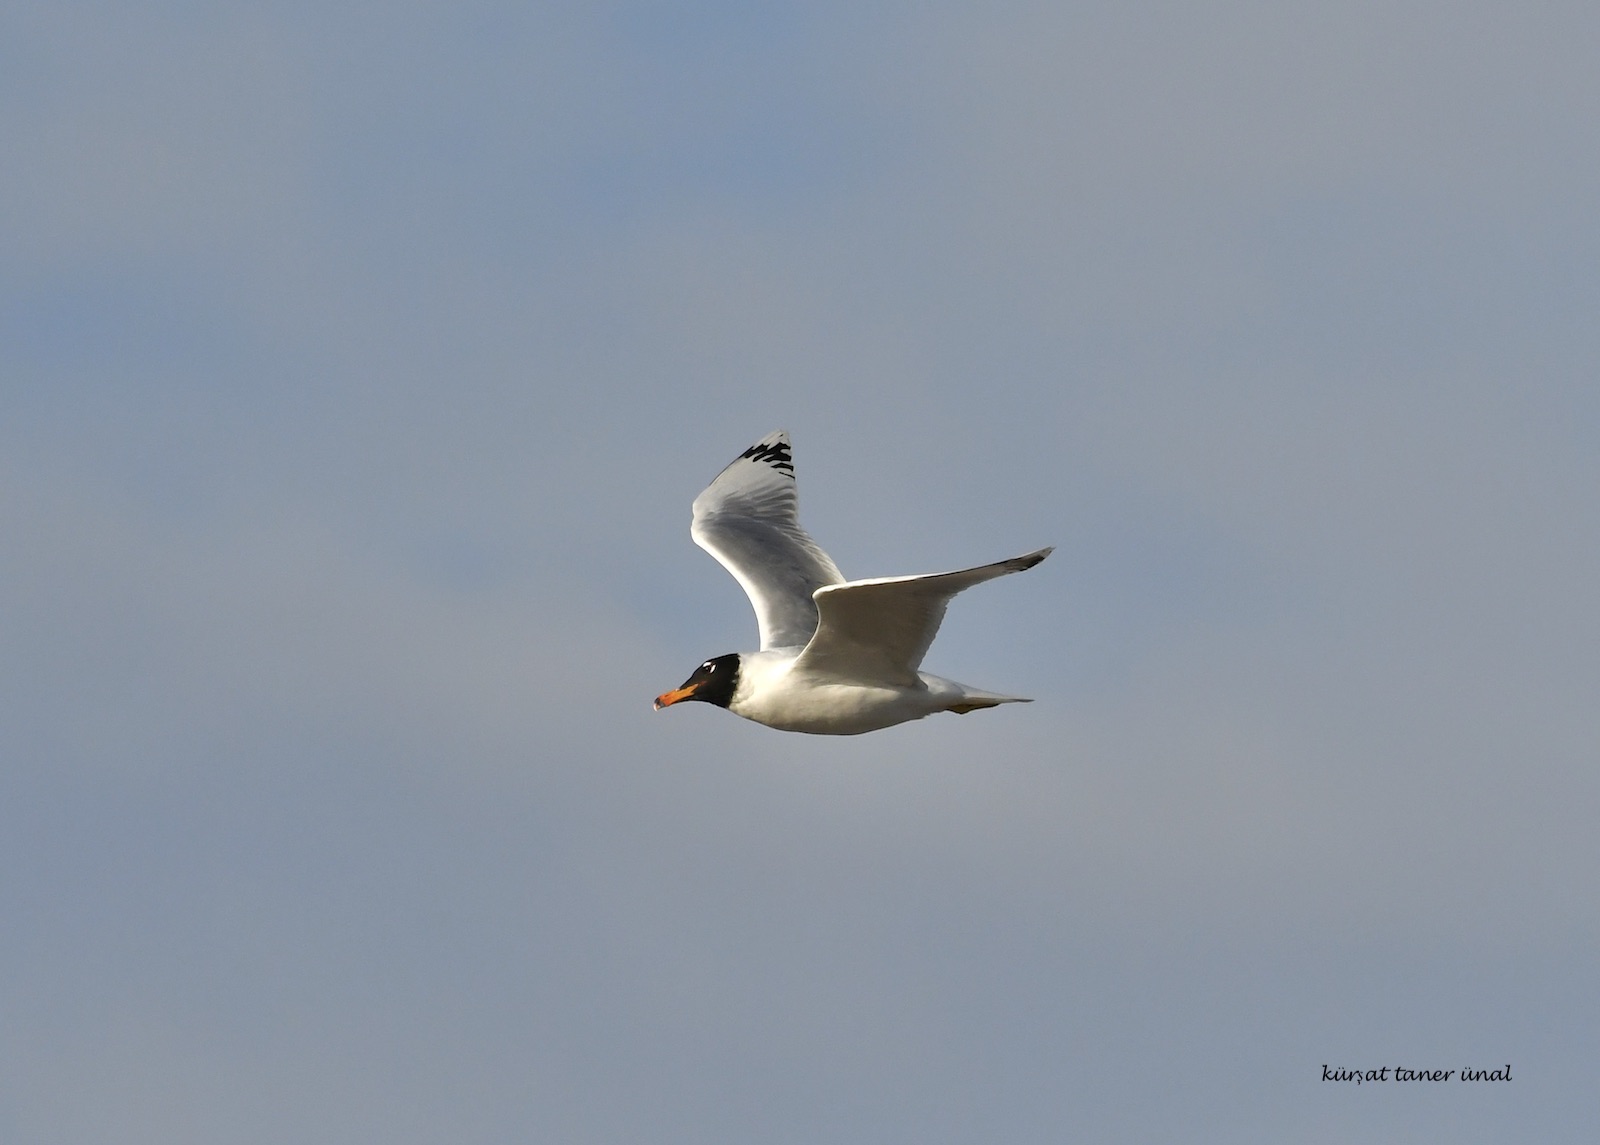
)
(713, 682)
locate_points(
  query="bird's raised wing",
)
(748, 518)
(877, 631)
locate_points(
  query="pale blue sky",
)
(358, 365)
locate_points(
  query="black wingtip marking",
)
(773, 453)
(1022, 564)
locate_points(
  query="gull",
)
(837, 657)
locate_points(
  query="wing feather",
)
(748, 518)
(878, 631)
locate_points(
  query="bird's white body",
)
(837, 657)
(773, 691)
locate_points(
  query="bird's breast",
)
(794, 701)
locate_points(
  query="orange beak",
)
(667, 699)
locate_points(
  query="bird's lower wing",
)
(877, 631)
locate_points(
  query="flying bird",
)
(837, 657)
